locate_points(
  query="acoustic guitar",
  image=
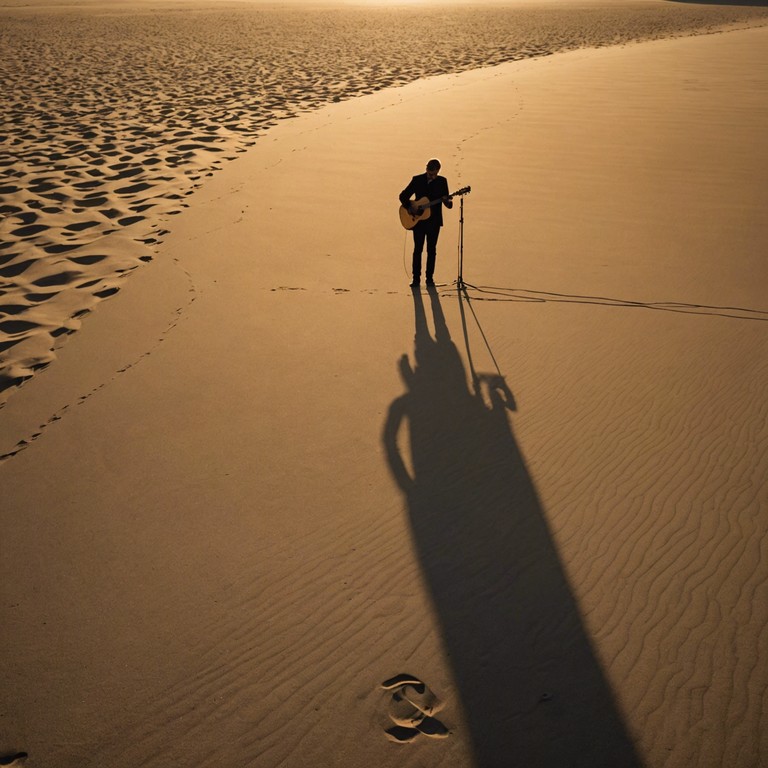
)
(424, 208)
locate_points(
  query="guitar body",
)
(424, 208)
(408, 220)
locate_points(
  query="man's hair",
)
(434, 164)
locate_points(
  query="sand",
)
(266, 477)
(113, 114)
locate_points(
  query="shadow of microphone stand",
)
(497, 386)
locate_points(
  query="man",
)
(433, 187)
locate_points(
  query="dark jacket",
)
(420, 187)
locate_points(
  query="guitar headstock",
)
(462, 191)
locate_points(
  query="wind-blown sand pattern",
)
(273, 508)
(112, 116)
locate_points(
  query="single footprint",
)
(421, 697)
(403, 712)
(411, 706)
(433, 728)
(401, 735)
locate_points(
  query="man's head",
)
(433, 167)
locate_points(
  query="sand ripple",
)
(112, 118)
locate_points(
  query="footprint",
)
(401, 735)
(402, 712)
(421, 697)
(411, 706)
(433, 728)
(399, 680)
(87, 260)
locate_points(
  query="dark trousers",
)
(422, 232)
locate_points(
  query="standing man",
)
(433, 187)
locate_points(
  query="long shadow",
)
(532, 690)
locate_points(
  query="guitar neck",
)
(441, 200)
(462, 191)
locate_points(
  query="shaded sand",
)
(112, 114)
(309, 490)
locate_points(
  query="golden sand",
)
(272, 508)
(114, 114)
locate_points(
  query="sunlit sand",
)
(266, 505)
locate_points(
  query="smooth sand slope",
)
(113, 113)
(271, 478)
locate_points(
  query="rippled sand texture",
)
(112, 118)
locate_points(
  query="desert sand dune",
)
(271, 507)
(113, 115)
(508, 619)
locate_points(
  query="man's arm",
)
(448, 203)
(405, 195)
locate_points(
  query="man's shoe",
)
(415, 283)
(430, 281)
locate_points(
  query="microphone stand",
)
(460, 279)
(460, 284)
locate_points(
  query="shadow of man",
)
(532, 690)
